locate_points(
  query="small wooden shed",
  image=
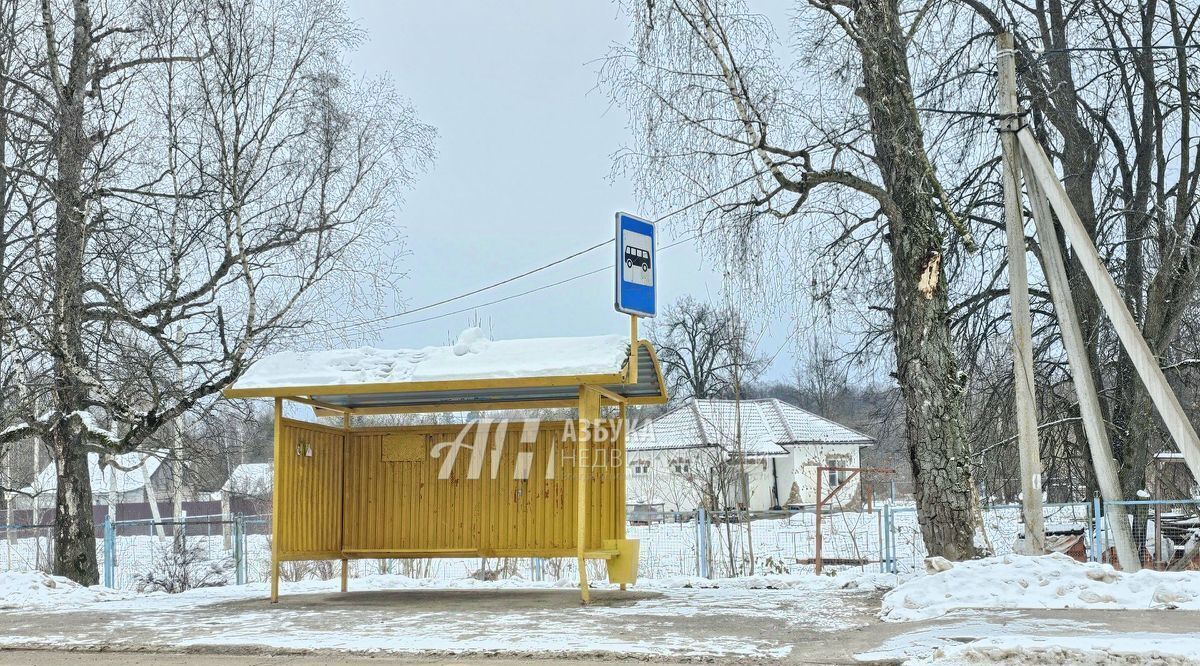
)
(490, 488)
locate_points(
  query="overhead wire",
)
(525, 274)
(518, 295)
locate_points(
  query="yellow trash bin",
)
(622, 569)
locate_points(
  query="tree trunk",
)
(926, 367)
(74, 529)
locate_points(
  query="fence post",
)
(239, 556)
(893, 567)
(883, 538)
(536, 565)
(885, 557)
(110, 551)
(1096, 526)
(702, 543)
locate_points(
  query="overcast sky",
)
(522, 177)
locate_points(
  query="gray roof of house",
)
(767, 426)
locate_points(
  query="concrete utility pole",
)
(1128, 331)
(1018, 291)
(1049, 202)
(1016, 141)
(1081, 372)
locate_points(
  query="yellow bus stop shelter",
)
(490, 488)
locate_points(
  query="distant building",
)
(120, 479)
(689, 457)
(249, 484)
(1168, 477)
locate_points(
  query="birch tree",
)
(833, 146)
(207, 168)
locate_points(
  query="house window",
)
(833, 477)
(640, 467)
(680, 466)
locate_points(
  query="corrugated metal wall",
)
(403, 506)
(310, 488)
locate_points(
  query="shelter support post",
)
(276, 510)
(622, 425)
(589, 413)
(342, 495)
(1081, 368)
(1018, 292)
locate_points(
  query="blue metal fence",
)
(186, 534)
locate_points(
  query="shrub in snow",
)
(178, 567)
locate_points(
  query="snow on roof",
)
(473, 356)
(128, 474)
(250, 479)
(767, 426)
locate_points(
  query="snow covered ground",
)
(1043, 637)
(1006, 610)
(754, 617)
(780, 545)
(23, 590)
(978, 612)
(1047, 581)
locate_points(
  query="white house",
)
(121, 479)
(249, 483)
(688, 457)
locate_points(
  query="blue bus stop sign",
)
(636, 266)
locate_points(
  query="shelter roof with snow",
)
(473, 373)
(768, 427)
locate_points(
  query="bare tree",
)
(200, 177)
(1110, 90)
(723, 123)
(703, 349)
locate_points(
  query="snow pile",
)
(1101, 650)
(472, 356)
(1046, 581)
(471, 341)
(34, 590)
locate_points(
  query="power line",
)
(494, 284)
(543, 267)
(1115, 49)
(508, 280)
(523, 293)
